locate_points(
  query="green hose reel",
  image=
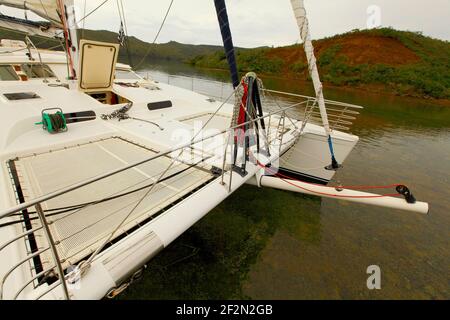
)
(53, 122)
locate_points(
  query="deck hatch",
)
(21, 96)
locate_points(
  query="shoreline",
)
(371, 88)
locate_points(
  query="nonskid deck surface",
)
(79, 228)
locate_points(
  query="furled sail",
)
(227, 38)
(303, 25)
(47, 9)
(29, 27)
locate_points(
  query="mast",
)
(303, 24)
(60, 14)
(222, 16)
(73, 29)
(69, 25)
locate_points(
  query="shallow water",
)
(267, 244)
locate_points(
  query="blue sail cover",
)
(222, 15)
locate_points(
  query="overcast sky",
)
(266, 22)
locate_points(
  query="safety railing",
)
(213, 89)
(280, 119)
(54, 272)
(341, 115)
(40, 270)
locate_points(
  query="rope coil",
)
(53, 122)
(289, 180)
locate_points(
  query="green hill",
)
(165, 51)
(400, 62)
(405, 63)
(139, 49)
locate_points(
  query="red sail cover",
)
(240, 132)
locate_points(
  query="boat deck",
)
(80, 221)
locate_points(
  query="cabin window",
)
(7, 73)
(37, 71)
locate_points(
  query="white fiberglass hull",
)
(36, 163)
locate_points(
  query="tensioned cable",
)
(43, 7)
(79, 207)
(91, 12)
(84, 21)
(157, 35)
(289, 180)
(123, 22)
(86, 264)
(63, 210)
(37, 45)
(122, 12)
(45, 40)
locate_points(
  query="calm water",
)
(267, 244)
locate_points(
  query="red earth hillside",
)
(357, 48)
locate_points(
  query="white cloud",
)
(264, 22)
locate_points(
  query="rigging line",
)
(54, 47)
(13, 51)
(78, 208)
(214, 114)
(123, 21)
(148, 121)
(123, 16)
(46, 39)
(112, 214)
(72, 72)
(280, 107)
(286, 179)
(289, 180)
(37, 45)
(157, 35)
(43, 7)
(354, 188)
(109, 238)
(84, 21)
(101, 177)
(141, 215)
(116, 195)
(120, 15)
(91, 12)
(57, 211)
(127, 39)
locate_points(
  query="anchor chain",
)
(113, 293)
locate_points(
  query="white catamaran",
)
(101, 169)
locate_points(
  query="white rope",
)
(123, 18)
(157, 35)
(84, 21)
(92, 11)
(97, 252)
(303, 24)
